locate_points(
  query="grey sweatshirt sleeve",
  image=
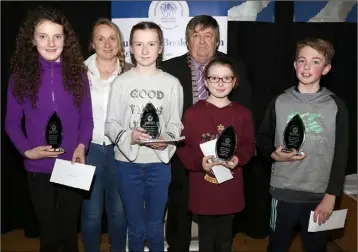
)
(339, 163)
(114, 126)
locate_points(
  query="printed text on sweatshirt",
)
(129, 94)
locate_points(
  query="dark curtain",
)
(267, 50)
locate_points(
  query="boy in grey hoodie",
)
(312, 181)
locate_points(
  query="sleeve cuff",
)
(26, 146)
(85, 143)
(334, 192)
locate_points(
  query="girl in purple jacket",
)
(49, 78)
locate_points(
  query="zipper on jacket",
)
(52, 86)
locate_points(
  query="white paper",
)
(74, 175)
(336, 221)
(221, 172)
(169, 140)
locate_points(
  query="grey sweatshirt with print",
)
(326, 145)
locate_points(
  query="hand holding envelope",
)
(221, 172)
(208, 164)
(74, 175)
(335, 221)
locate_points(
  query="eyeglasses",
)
(226, 79)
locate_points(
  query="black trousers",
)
(285, 217)
(179, 219)
(215, 233)
(57, 210)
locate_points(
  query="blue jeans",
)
(104, 191)
(144, 186)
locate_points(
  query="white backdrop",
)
(173, 16)
(325, 11)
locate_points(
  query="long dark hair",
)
(25, 68)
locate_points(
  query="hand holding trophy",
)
(293, 139)
(54, 133)
(294, 135)
(139, 136)
(149, 121)
(225, 148)
(150, 124)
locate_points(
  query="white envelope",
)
(74, 175)
(336, 221)
(221, 173)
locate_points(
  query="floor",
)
(15, 241)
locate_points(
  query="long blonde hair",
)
(121, 52)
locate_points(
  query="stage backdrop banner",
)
(173, 16)
(325, 11)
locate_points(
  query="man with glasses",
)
(202, 39)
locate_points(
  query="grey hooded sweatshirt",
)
(326, 145)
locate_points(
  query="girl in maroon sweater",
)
(214, 203)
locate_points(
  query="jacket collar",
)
(92, 66)
(45, 64)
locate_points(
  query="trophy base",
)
(169, 140)
(56, 150)
(299, 153)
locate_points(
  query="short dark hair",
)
(222, 61)
(322, 46)
(204, 21)
(147, 26)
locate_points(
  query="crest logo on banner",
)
(167, 13)
(173, 17)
